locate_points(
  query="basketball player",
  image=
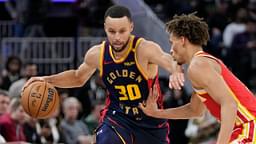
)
(128, 66)
(227, 98)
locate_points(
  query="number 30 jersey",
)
(127, 85)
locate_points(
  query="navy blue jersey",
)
(127, 86)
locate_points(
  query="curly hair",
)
(189, 26)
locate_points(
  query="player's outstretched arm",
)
(156, 55)
(205, 74)
(193, 109)
(77, 77)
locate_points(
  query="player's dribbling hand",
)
(32, 79)
(150, 108)
(176, 80)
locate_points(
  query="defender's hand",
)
(176, 80)
(150, 108)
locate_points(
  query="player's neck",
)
(122, 53)
(192, 52)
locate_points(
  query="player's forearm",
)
(228, 116)
(66, 79)
(182, 112)
(172, 64)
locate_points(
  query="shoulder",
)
(198, 69)
(145, 44)
(202, 64)
(202, 69)
(94, 50)
(93, 54)
(148, 48)
(197, 62)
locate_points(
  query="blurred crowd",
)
(232, 26)
(70, 124)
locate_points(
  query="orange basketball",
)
(40, 99)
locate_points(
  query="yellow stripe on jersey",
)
(238, 121)
(126, 53)
(241, 108)
(243, 135)
(145, 75)
(138, 42)
(198, 53)
(121, 138)
(206, 55)
(254, 132)
(247, 129)
(200, 91)
(102, 49)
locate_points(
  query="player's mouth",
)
(117, 44)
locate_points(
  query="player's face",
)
(177, 49)
(118, 31)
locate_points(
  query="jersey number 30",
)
(130, 92)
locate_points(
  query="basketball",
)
(40, 100)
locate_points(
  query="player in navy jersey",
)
(128, 66)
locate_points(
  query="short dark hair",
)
(191, 27)
(117, 11)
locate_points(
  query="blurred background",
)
(41, 37)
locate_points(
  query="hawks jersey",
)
(245, 99)
(126, 84)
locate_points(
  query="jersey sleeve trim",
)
(102, 49)
(144, 74)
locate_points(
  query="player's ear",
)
(183, 39)
(105, 27)
(132, 26)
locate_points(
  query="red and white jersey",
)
(245, 99)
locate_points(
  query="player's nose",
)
(117, 36)
(171, 52)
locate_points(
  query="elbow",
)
(233, 105)
(230, 106)
(79, 80)
(199, 113)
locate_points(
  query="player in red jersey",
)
(216, 88)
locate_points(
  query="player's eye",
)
(112, 32)
(122, 31)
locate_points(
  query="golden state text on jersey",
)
(126, 83)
